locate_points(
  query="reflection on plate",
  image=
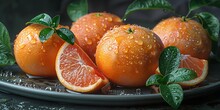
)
(14, 80)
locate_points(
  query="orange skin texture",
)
(32, 56)
(90, 28)
(129, 58)
(189, 36)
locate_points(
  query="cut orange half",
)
(200, 66)
(76, 71)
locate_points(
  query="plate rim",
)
(99, 99)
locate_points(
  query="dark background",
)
(15, 13)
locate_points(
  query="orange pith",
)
(76, 71)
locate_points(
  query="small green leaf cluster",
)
(52, 24)
(6, 56)
(170, 75)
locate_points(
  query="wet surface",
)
(208, 98)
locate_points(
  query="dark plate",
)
(14, 80)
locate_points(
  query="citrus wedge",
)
(76, 71)
(200, 66)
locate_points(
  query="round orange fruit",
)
(34, 57)
(76, 71)
(188, 36)
(90, 28)
(128, 55)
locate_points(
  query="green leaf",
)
(196, 4)
(169, 60)
(146, 5)
(153, 80)
(66, 35)
(77, 8)
(172, 94)
(210, 23)
(55, 21)
(45, 34)
(6, 57)
(181, 74)
(43, 19)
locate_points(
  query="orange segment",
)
(200, 66)
(76, 71)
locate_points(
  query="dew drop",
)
(198, 42)
(139, 42)
(131, 37)
(140, 62)
(149, 46)
(88, 41)
(22, 46)
(122, 92)
(48, 88)
(138, 91)
(33, 41)
(29, 37)
(177, 98)
(109, 48)
(125, 50)
(109, 19)
(130, 62)
(29, 50)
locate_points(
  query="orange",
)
(128, 55)
(188, 36)
(76, 71)
(90, 28)
(200, 66)
(34, 57)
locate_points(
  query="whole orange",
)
(189, 36)
(128, 55)
(90, 28)
(34, 57)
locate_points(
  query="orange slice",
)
(200, 66)
(76, 71)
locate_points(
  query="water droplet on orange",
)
(33, 41)
(22, 46)
(88, 41)
(131, 37)
(140, 62)
(125, 50)
(139, 42)
(109, 19)
(149, 46)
